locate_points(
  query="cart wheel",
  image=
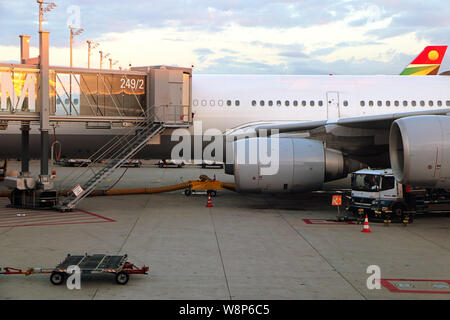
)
(57, 278)
(187, 192)
(122, 278)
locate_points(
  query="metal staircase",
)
(118, 151)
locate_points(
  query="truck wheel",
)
(122, 278)
(57, 278)
(187, 192)
(398, 211)
(213, 193)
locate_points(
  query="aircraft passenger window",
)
(311, 103)
(413, 103)
(405, 103)
(396, 103)
(448, 103)
(195, 102)
(278, 103)
(430, 103)
(261, 103)
(212, 103)
(439, 103)
(422, 103)
(295, 103)
(320, 103)
(204, 103)
(253, 103)
(380, 103)
(388, 103)
(286, 103)
(270, 103)
(370, 103)
(345, 103)
(362, 103)
(237, 103)
(304, 103)
(228, 102)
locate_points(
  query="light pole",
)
(50, 6)
(103, 57)
(91, 46)
(73, 33)
(111, 63)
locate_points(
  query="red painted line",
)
(392, 288)
(43, 218)
(46, 221)
(31, 213)
(96, 215)
(51, 224)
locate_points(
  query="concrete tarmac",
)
(244, 247)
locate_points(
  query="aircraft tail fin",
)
(427, 62)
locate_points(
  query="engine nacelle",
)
(419, 150)
(296, 165)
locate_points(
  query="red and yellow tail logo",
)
(427, 63)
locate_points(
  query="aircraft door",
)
(333, 105)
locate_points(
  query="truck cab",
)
(376, 192)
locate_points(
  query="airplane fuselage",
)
(231, 102)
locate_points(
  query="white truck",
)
(378, 193)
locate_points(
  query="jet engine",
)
(279, 165)
(419, 150)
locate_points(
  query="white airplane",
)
(331, 125)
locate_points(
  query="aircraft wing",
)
(378, 121)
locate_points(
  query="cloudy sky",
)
(231, 36)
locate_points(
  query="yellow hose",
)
(116, 192)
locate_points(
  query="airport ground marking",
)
(9, 218)
(388, 284)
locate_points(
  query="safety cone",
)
(209, 204)
(366, 225)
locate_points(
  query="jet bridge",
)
(158, 94)
(143, 100)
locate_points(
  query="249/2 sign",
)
(131, 83)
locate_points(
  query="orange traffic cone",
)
(209, 204)
(366, 225)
